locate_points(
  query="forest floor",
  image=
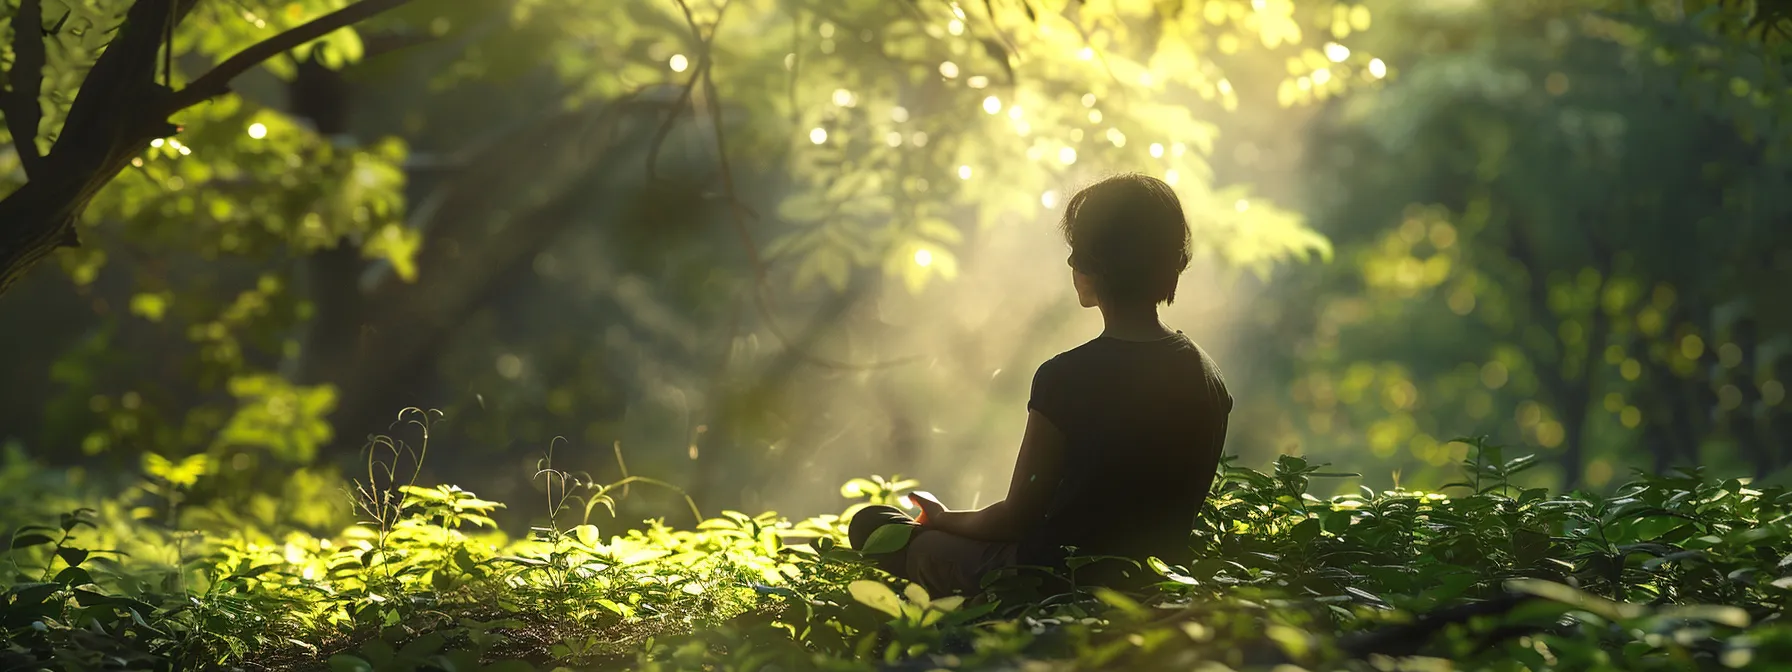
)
(1671, 572)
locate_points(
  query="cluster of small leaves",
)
(982, 111)
(1731, 53)
(1672, 571)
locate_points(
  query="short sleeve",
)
(1051, 393)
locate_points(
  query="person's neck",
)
(1132, 323)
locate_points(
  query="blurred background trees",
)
(1556, 232)
(757, 247)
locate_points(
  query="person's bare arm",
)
(1036, 473)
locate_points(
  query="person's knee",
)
(868, 520)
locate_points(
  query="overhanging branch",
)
(25, 81)
(217, 82)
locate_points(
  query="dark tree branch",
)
(97, 140)
(118, 110)
(124, 78)
(217, 82)
(699, 73)
(20, 103)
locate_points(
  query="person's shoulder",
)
(1200, 353)
(1210, 369)
(1074, 357)
(1069, 366)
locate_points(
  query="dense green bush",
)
(1672, 572)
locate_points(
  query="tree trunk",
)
(34, 221)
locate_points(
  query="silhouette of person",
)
(1123, 433)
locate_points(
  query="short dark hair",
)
(1128, 234)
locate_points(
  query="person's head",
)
(1129, 242)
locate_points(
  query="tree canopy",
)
(287, 228)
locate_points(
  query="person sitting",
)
(1123, 433)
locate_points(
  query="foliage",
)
(232, 179)
(1592, 276)
(1674, 571)
(268, 234)
(864, 141)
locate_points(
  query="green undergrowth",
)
(1670, 572)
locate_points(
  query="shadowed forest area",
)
(458, 334)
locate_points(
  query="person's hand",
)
(930, 507)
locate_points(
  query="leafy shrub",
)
(1671, 572)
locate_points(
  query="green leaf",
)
(343, 662)
(151, 306)
(1584, 601)
(1305, 531)
(464, 561)
(422, 646)
(1735, 617)
(74, 576)
(876, 595)
(888, 539)
(947, 603)
(76, 518)
(1364, 595)
(29, 540)
(398, 245)
(73, 556)
(1126, 605)
(1337, 522)
(622, 610)
(1520, 464)
(860, 487)
(916, 594)
(25, 594)
(1292, 641)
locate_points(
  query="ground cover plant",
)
(1669, 572)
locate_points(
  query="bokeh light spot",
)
(1494, 375)
(1691, 347)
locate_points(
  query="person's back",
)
(1143, 424)
(1123, 433)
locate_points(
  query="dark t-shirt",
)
(1143, 423)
